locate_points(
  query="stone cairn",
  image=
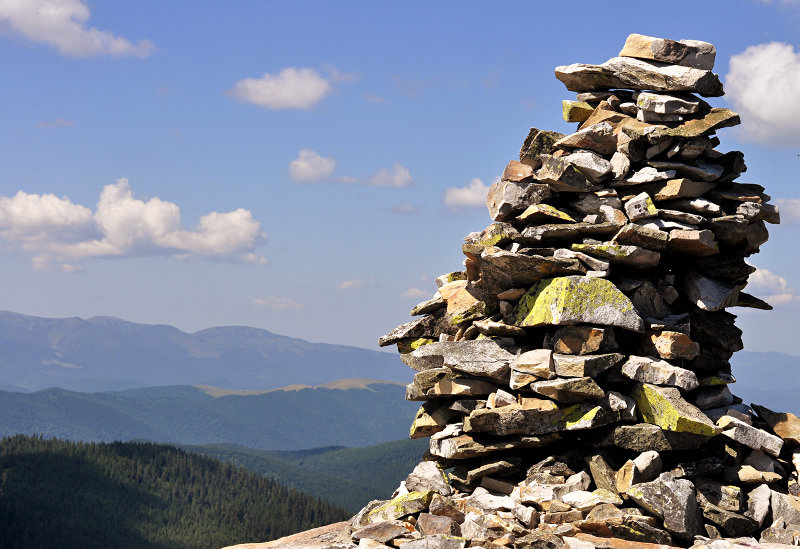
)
(574, 377)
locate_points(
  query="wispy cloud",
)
(471, 195)
(396, 176)
(63, 24)
(415, 293)
(777, 290)
(404, 209)
(762, 85)
(55, 123)
(310, 166)
(58, 233)
(279, 303)
(356, 284)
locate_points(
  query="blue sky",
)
(310, 167)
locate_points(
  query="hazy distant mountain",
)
(358, 413)
(106, 353)
(769, 379)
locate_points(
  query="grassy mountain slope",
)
(276, 420)
(106, 353)
(55, 493)
(348, 477)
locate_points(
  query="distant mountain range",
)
(769, 379)
(357, 413)
(107, 354)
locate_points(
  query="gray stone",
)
(727, 497)
(644, 237)
(560, 175)
(640, 207)
(569, 390)
(537, 143)
(591, 262)
(516, 420)
(697, 243)
(659, 372)
(750, 436)
(732, 524)
(576, 300)
(630, 73)
(599, 138)
(585, 366)
(504, 269)
(435, 542)
(620, 165)
(429, 524)
(709, 294)
(382, 532)
(592, 165)
(712, 397)
(689, 53)
(538, 362)
(430, 305)
(507, 198)
(674, 501)
(648, 464)
(631, 256)
(698, 205)
(785, 507)
(602, 473)
(666, 103)
(649, 174)
(699, 170)
(466, 446)
(483, 357)
(758, 503)
(428, 476)
(590, 203)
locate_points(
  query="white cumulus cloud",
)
(763, 85)
(790, 209)
(397, 176)
(279, 303)
(56, 232)
(291, 88)
(64, 25)
(310, 166)
(471, 195)
(777, 290)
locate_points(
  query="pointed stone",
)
(463, 302)
(785, 425)
(427, 476)
(689, 53)
(599, 138)
(576, 300)
(758, 503)
(708, 294)
(544, 213)
(592, 165)
(507, 198)
(638, 74)
(666, 408)
(575, 111)
(537, 143)
(562, 176)
(714, 120)
(659, 372)
(674, 501)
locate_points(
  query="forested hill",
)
(55, 493)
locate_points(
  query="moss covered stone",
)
(666, 408)
(570, 300)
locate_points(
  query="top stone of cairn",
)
(688, 53)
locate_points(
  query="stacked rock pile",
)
(574, 376)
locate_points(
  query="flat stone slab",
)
(516, 420)
(639, 74)
(576, 300)
(689, 53)
(659, 372)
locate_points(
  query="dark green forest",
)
(333, 473)
(55, 493)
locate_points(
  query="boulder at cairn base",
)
(570, 300)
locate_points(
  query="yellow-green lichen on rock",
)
(411, 345)
(666, 408)
(544, 212)
(568, 300)
(401, 506)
